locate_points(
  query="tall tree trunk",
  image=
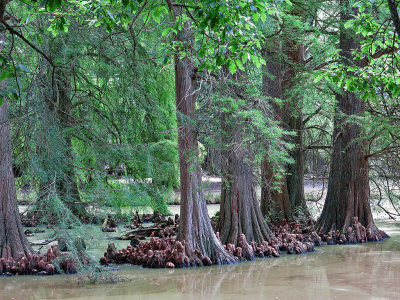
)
(240, 211)
(195, 226)
(12, 238)
(290, 195)
(348, 187)
(273, 199)
(66, 183)
(294, 120)
(59, 105)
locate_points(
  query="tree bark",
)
(12, 238)
(290, 195)
(348, 187)
(294, 120)
(273, 199)
(394, 15)
(59, 105)
(195, 226)
(240, 211)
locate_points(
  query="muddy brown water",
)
(364, 271)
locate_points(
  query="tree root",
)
(156, 253)
(167, 252)
(52, 262)
(354, 234)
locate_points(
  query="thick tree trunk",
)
(59, 106)
(12, 237)
(294, 120)
(240, 211)
(290, 195)
(348, 188)
(195, 226)
(273, 199)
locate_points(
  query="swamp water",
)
(364, 271)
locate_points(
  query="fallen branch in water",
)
(46, 242)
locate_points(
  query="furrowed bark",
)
(12, 238)
(195, 226)
(348, 192)
(240, 211)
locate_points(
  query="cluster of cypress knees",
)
(52, 262)
(163, 250)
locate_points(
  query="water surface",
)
(365, 271)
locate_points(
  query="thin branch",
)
(11, 30)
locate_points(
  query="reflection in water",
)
(367, 271)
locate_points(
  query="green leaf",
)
(6, 73)
(263, 17)
(288, 2)
(239, 64)
(243, 56)
(50, 5)
(348, 23)
(220, 60)
(373, 48)
(256, 17)
(351, 86)
(256, 60)
(202, 51)
(319, 77)
(165, 31)
(111, 15)
(232, 66)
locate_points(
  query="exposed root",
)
(52, 262)
(293, 238)
(167, 252)
(356, 233)
(156, 253)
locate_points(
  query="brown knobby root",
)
(38, 264)
(156, 253)
(167, 252)
(354, 234)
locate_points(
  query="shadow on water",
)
(364, 271)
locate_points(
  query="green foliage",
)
(94, 101)
(378, 54)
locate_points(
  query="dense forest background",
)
(116, 106)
